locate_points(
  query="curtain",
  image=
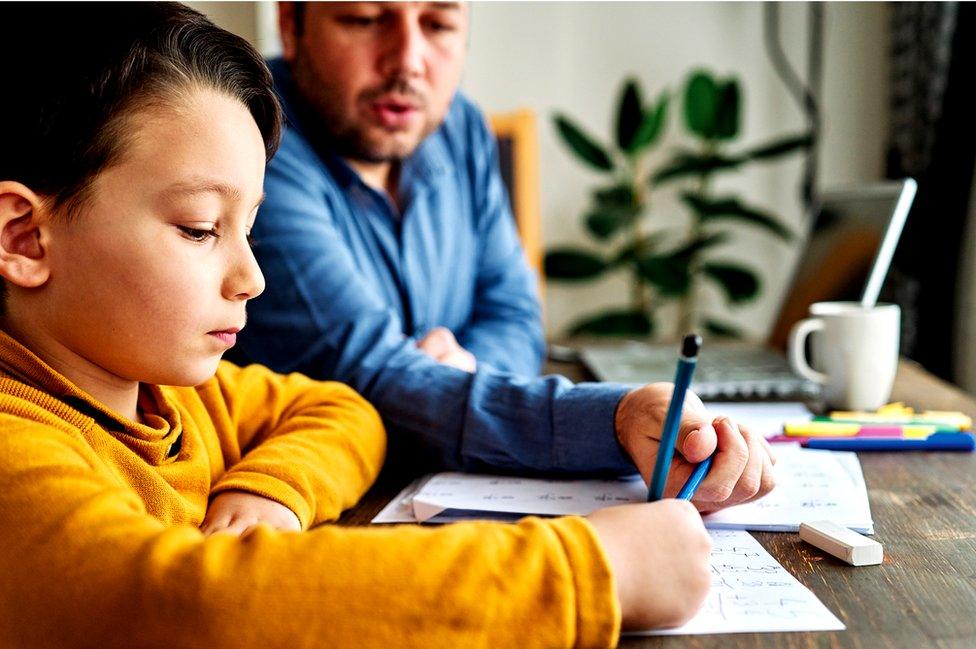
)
(933, 139)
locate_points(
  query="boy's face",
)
(379, 75)
(149, 281)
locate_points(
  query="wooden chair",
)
(519, 161)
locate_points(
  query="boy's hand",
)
(443, 347)
(742, 469)
(659, 555)
(238, 512)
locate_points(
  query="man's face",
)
(379, 76)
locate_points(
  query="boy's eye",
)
(196, 234)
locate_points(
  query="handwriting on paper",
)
(751, 593)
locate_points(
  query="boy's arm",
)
(85, 565)
(315, 447)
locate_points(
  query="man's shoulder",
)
(294, 150)
(296, 159)
(465, 125)
(296, 168)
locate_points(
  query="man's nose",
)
(406, 48)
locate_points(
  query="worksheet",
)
(811, 485)
(752, 593)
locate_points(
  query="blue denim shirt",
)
(351, 285)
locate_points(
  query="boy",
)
(137, 514)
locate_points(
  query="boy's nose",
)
(245, 281)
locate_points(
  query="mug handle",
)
(797, 347)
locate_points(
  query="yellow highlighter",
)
(847, 429)
(898, 413)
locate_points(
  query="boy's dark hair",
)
(75, 72)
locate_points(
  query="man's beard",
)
(344, 134)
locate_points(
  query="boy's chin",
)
(190, 376)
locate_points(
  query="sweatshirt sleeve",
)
(313, 446)
(85, 565)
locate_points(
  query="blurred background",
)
(887, 84)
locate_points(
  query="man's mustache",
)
(397, 86)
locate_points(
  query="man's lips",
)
(394, 113)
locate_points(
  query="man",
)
(392, 264)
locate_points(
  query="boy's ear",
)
(22, 258)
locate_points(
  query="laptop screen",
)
(847, 250)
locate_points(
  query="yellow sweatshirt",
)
(100, 546)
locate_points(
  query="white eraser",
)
(847, 545)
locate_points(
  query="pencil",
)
(688, 491)
(669, 434)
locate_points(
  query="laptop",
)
(849, 247)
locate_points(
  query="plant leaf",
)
(689, 164)
(722, 329)
(644, 247)
(779, 147)
(731, 208)
(572, 264)
(701, 104)
(612, 322)
(584, 146)
(668, 273)
(629, 114)
(614, 196)
(739, 283)
(603, 222)
(727, 111)
(651, 127)
(693, 247)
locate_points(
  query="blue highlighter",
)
(669, 435)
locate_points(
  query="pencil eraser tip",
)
(690, 345)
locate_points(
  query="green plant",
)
(666, 265)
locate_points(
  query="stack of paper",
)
(811, 485)
(750, 591)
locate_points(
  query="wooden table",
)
(924, 509)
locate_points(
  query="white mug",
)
(855, 350)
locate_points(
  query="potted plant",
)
(666, 265)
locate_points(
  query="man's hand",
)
(742, 468)
(238, 512)
(443, 347)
